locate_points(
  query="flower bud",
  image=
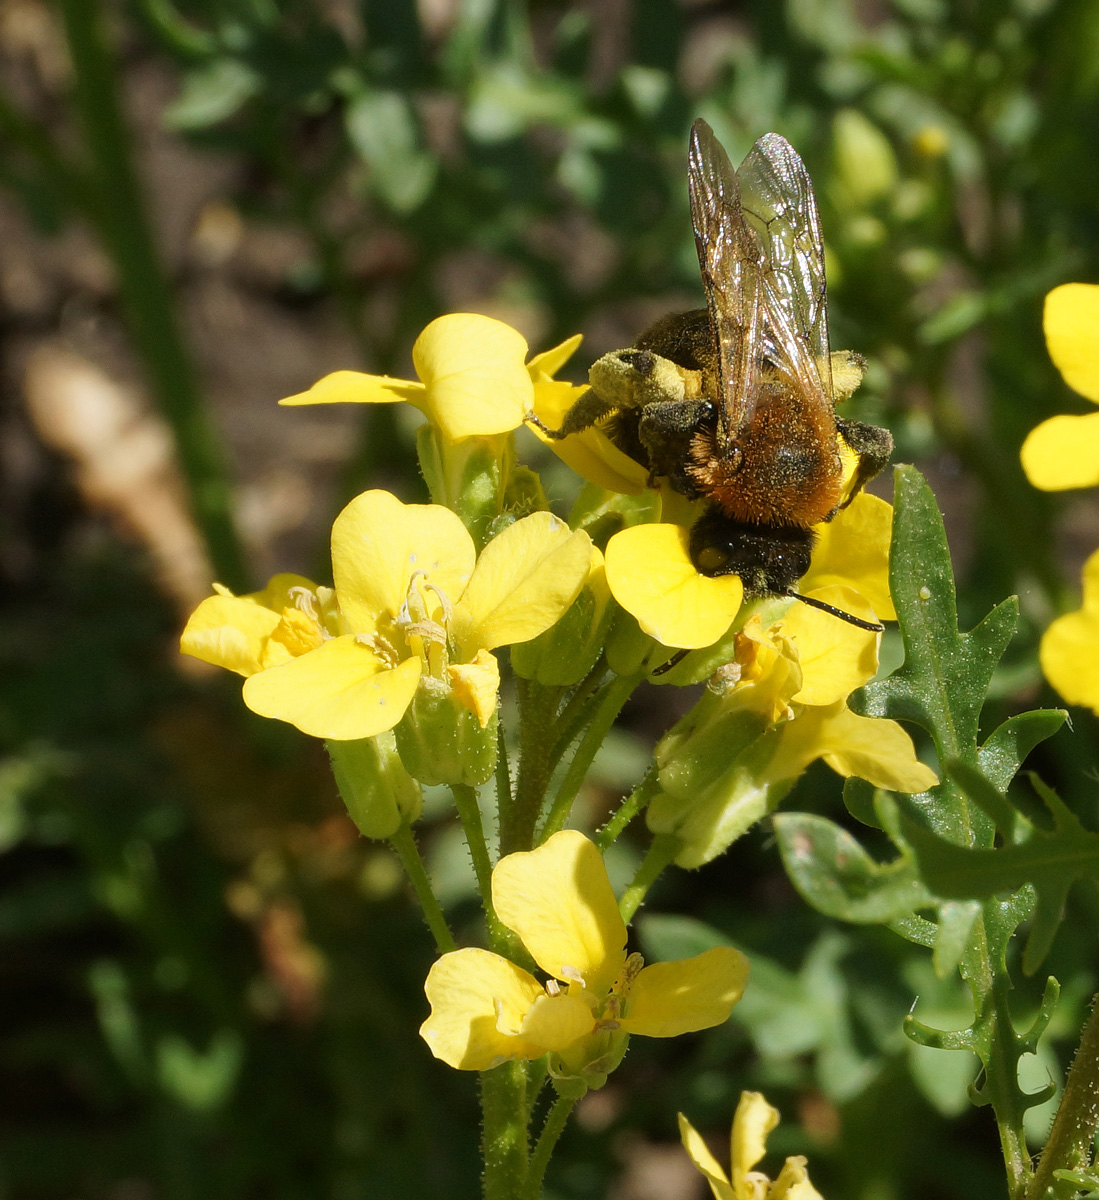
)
(567, 651)
(467, 476)
(379, 793)
(441, 741)
(585, 1066)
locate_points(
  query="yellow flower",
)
(780, 705)
(473, 378)
(1061, 453)
(651, 575)
(486, 1010)
(1069, 652)
(752, 1123)
(413, 605)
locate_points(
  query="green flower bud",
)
(567, 651)
(585, 1066)
(468, 476)
(441, 741)
(379, 793)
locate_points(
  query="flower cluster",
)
(1063, 453)
(395, 666)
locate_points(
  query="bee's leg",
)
(666, 429)
(591, 407)
(874, 447)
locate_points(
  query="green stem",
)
(537, 708)
(628, 809)
(1074, 1126)
(661, 852)
(123, 227)
(556, 1119)
(504, 1136)
(405, 845)
(614, 696)
(469, 813)
(575, 714)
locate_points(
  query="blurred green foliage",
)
(210, 987)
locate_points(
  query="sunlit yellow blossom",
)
(651, 575)
(753, 1122)
(1063, 452)
(411, 601)
(473, 377)
(486, 1010)
(1069, 652)
(780, 705)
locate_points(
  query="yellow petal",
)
(1071, 322)
(1063, 453)
(835, 656)
(705, 1161)
(792, 1182)
(471, 992)
(230, 632)
(873, 748)
(558, 899)
(591, 454)
(1069, 652)
(378, 543)
(477, 684)
(354, 387)
(340, 691)
(549, 362)
(524, 580)
(474, 370)
(554, 1023)
(670, 998)
(753, 1121)
(651, 575)
(852, 550)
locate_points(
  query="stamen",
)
(448, 608)
(553, 988)
(573, 975)
(305, 600)
(430, 631)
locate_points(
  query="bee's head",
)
(769, 559)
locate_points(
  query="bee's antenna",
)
(871, 626)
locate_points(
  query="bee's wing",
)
(732, 258)
(777, 200)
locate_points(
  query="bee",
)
(735, 403)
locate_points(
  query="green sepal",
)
(378, 791)
(441, 741)
(567, 651)
(469, 476)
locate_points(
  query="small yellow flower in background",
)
(1063, 453)
(1069, 652)
(486, 1010)
(651, 575)
(473, 378)
(411, 600)
(753, 1122)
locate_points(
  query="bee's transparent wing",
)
(732, 259)
(777, 200)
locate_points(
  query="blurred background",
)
(210, 985)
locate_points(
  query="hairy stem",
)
(1077, 1119)
(405, 845)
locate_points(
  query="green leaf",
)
(212, 94)
(837, 876)
(383, 130)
